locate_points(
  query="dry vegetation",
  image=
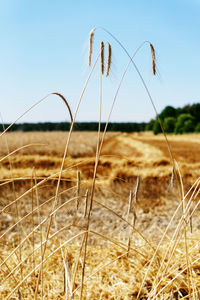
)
(110, 272)
(85, 222)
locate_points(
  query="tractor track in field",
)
(123, 155)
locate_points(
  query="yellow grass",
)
(110, 273)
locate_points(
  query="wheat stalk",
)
(137, 188)
(86, 203)
(66, 274)
(78, 188)
(130, 204)
(67, 104)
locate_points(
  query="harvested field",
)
(30, 175)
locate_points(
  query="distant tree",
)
(197, 128)
(142, 126)
(169, 124)
(183, 110)
(189, 126)
(182, 124)
(195, 111)
(156, 127)
(168, 111)
(114, 127)
(149, 126)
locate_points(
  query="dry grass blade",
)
(113, 241)
(19, 294)
(17, 205)
(176, 236)
(137, 188)
(36, 228)
(144, 85)
(108, 65)
(102, 57)
(30, 213)
(78, 189)
(110, 262)
(64, 156)
(171, 182)
(195, 186)
(185, 231)
(18, 149)
(43, 261)
(86, 203)
(67, 275)
(34, 105)
(130, 208)
(67, 104)
(173, 279)
(130, 204)
(153, 59)
(41, 238)
(53, 176)
(32, 217)
(65, 286)
(190, 220)
(36, 249)
(28, 110)
(76, 263)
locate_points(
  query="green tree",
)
(183, 110)
(149, 126)
(169, 124)
(168, 111)
(189, 126)
(182, 124)
(195, 111)
(156, 127)
(197, 128)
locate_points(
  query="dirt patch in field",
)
(182, 151)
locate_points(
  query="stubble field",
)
(129, 254)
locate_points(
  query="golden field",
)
(147, 249)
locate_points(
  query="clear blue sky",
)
(44, 47)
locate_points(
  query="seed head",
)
(91, 46)
(108, 60)
(153, 59)
(102, 57)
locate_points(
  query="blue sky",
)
(44, 48)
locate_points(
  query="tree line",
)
(177, 120)
(174, 120)
(79, 126)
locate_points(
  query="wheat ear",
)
(102, 57)
(108, 60)
(153, 59)
(91, 46)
